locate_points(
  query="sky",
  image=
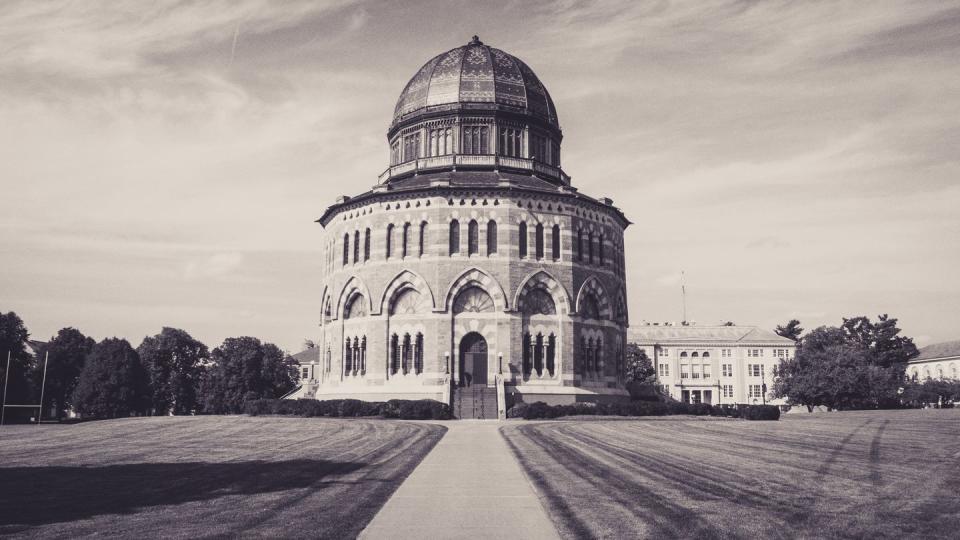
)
(162, 163)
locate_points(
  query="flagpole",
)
(46, 359)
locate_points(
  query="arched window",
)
(423, 237)
(527, 353)
(555, 241)
(454, 237)
(580, 245)
(406, 240)
(418, 354)
(491, 237)
(366, 245)
(405, 354)
(538, 355)
(591, 358)
(598, 356)
(394, 354)
(584, 357)
(356, 246)
(523, 239)
(539, 240)
(600, 246)
(551, 354)
(390, 240)
(473, 237)
(346, 248)
(706, 355)
(695, 355)
(683, 354)
(590, 246)
(363, 355)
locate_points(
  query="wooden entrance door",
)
(473, 360)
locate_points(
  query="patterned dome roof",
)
(476, 73)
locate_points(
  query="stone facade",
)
(937, 361)
(451, 261)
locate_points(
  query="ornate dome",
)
(478, 75)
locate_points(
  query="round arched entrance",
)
(473, 360)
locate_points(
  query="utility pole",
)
(6, 382)
(46, 358)
(683, 294)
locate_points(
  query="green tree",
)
(66, 354)
(244, 368)
(639, 365)
(791, 330)
(173, 360)
(887, 348)
(113, 382)
(13, 339)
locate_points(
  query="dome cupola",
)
(475, 107)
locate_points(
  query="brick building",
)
(473, 262)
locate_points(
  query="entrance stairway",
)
(477, 401)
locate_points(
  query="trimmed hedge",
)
(539, 409)
(424, 409)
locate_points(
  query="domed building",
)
(473, 267)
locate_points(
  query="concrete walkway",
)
(469, 486)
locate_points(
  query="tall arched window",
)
(356, 246)
(538, 355)
(555, 241)
(473, 237)
(346, 248)
(394, 354)
(418, 354)
(527, 353)
(363, 355)
(551, 353)
(590, 246)
(600, 246)
(580, 245)
(405, 356)
(454, 237)
(390, 240)
(539, 240)
(423, 237)
(366, 245)
(523, 238)
(584, 357)
(598, 356)
(491, 237)
(406, 240)
(347, 357)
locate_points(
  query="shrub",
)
(424, 409)
(760, 412)
(517, 411)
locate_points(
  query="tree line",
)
(860, 364)
(168, 373)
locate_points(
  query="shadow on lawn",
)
(39, 495)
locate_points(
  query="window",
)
(755, 370)
(683, 354)
(684, 371)
(418, 354)
(305, 373)
(511, 140)
(706, 371)
(411, 147)
(347, 357)
(523, 239)
(728, 390)
(405, 244)
(540, 149)
(538, 355)
(527, 353)
(475, 140)
(454, 237)
(389, 240)
(555, 240)
(725, 353)
(356, 246)
(755, 353)
(664, 370)
(727, 370)
(580, 245)
(346, 248)
(551, 354)
(695, 371)
(590, 246)
(395, 152)
(491, 237)
(441, 142)
(423, 237)
(755, 391)
(600, 248)
(539, 240)
(473, 237)
(406, 356)
(366, 245)
(394, 354)
(664, 351)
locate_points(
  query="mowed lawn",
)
(204, 476)
(876, 474)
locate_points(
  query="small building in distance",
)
(714, 364)
(937, 361)
(308, 367)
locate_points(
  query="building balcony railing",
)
(453, 161)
